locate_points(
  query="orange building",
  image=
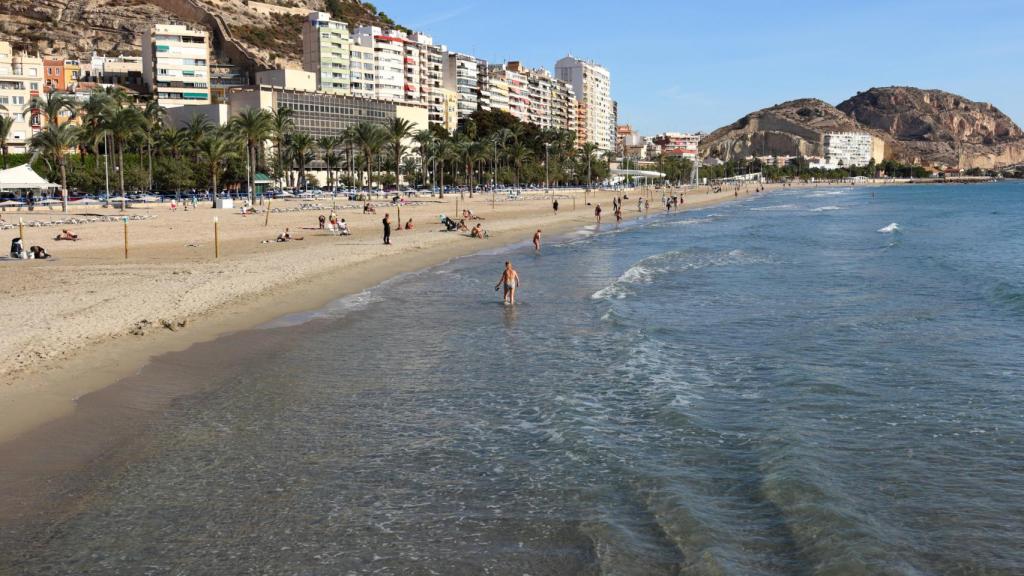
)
(53, 75)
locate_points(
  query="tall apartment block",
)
(532, 95)
(21, 78)
(326, 52)
(462, 75)
(176, 64)
(591, 84)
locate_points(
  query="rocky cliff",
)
(920, 126)
(789, 129)
(242, 29)
(938, 127)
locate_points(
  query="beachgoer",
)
(618, 215)
(597, 213)
(555, 206)
(510, 280)
(477, 232)
(408, 224)
(38, 252)
(387, 228)
(536, 241)
(66, 234)
(462, 226)
(342, 228)
(333, 221)
(647, 205)
(287, 236)
(322, 220)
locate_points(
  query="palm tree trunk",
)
(120, 171)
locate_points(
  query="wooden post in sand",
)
(21, 230)
(266, 220)
(456, 207)
(216, 237)
(493, 194)
(124, 219)
(399, 217)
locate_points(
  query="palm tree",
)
(370, 138)
(254, 126)
(197, 127)
(123, 124)
(6, 123)
(423, 139)
(300, 146)
(588, 151)
(281, 126)
(399, 130)
(53, 144)
(518, 154)
(217, 149)
(327, 145)
(153, 120)
(52, 105)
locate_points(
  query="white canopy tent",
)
(23, 178)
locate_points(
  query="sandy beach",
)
(89, 316)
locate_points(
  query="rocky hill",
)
(939, 127)
(921, 126)
(265, 33)
(789, 129)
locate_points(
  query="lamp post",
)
(547, 181)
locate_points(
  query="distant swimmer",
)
(536, 241)
(510, 280)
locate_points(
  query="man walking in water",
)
(597, 213)
(536, 241)
(510, 280)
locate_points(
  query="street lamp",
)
(547, 181)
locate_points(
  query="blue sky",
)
(687, 65)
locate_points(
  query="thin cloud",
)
(444, 16)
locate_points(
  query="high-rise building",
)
(389, 62)
(592, 85)
(326, 51)
(846, 149)
(462, 76)
(21, 78)
(176, 64)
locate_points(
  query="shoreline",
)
(51, 390)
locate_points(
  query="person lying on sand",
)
(408, 224)
(287, 236)
(66, 234)
(462, 226)
(368, 209)
(38, 252)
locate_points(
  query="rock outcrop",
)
(243, 33)
(793, 128)
(919, 126)
(937, 127)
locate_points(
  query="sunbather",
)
(66, 234)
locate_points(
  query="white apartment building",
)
(364, 75)
(592, 86)
(678, 144)
(509, 89)
(389, 62)
(21, 78)
(176, 64)
(326, 52)
(845, 149)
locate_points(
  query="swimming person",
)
(536, 241)
(510, 280)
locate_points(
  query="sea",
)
(808, 382)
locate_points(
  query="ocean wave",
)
(826, 209)
(649, 269)
(890, 229)
(776, 207)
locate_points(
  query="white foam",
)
(777, 207)
(826, 209)
(890, 229)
